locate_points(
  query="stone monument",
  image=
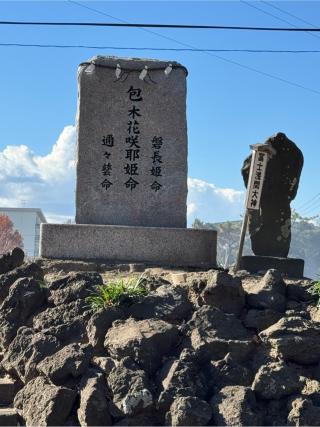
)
(270, 226)
(131, 169)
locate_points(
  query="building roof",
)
(35, 210)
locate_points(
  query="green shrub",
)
(120, 292)
(315, 290)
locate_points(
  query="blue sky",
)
(229, 106)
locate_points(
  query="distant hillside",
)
(305, 242)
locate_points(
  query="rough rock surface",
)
(131, 389)
(295, 339)
(182, 355)
(98, 325)
(94, 409)
(181, 377)
(66, 322)
(270, 227)
(71, 361)
(228, 371)
(11, 260)
(189, 411)
(215, 333)
(235, 406)
(42, 403)
(167, 302)
(276, 380)
(269, 292)
(261, 319)
(145, 341)
(28, 269)
(224, 292)
(303, 413)
(26, 351)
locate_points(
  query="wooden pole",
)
(246, 214)
(242, 239)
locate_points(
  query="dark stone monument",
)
(270, 226)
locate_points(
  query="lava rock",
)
(167, 302)
(235, 406)
(276, 380)
(66, 322)
(98, 325)
(71, 361)
(105, 364)
(224, 292)
(298, 290)
(31, 270)
(11, 260)
(295, 339)
(275, 412)
(215, 333)
(73, 286)
(26, 351)
(311, 390)
(145, 341)
(25, 297)
(303, 413)
(43, 404)
(228, 372)
(261, 319)
(94, 409)
(189, 411)
(181, 378)
(130, 387)
(269, 292)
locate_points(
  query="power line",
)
(172, 26)
(290, 14)
(277, 17)
(179, 49)
(308, 202)
(214, 55)
(311, 209)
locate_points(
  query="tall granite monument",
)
(131, 168)
(270, 226)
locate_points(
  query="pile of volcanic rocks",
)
(209, 349)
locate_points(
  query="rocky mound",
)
(201, 348)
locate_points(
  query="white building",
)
(27, 221)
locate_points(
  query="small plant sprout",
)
(119, 292)
(42, 284)
(315, 290)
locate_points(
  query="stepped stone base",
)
(292, 267)
(7, 391)
(8, 417)
(151, 245)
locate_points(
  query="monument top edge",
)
(134, 64)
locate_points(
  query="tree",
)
(228, 240)
(9, 237)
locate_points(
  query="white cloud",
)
(212, 204)
(48, 182)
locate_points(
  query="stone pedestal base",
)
(150, 245)
(290, 266)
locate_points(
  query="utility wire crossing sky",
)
(176, 26)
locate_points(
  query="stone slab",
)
(150, 245)
(292, 267)
(114, 152)
(8, 417)
(7, 391)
